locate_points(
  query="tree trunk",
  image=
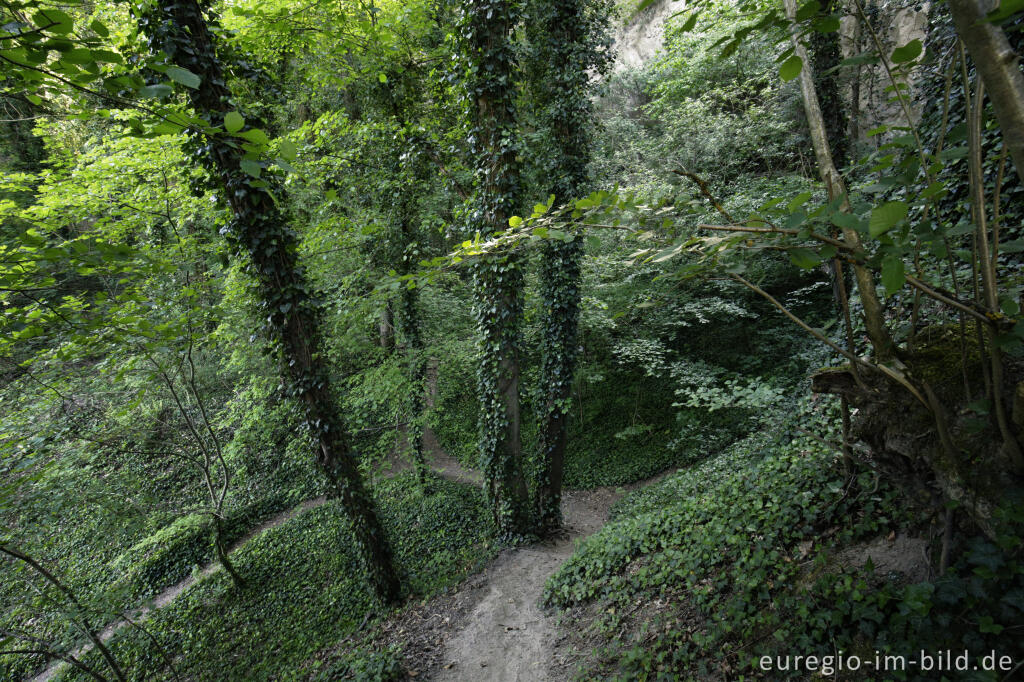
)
(568, 44)
(386, 327)
(409, 323)
(259, 232)
(999, 67)
(497, 278)
(874, 320)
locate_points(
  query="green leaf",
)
(54, 21)
(665, 254)
(1006, 10)
(886, 216)
(288, 150)
(515, 221)
(256, 136)
(1009, 306)
(99, 28)
(791, 68)
(690, 23)
(829, 24)
(846, 221)
(907, 53)
(808, 10)
(251, 167)
(158, 91)
(893, 274)
(79, 55)
(183, 76)
(382, 77)
(804, 258)
(233, 122)
(798, 201)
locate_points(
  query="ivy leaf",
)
(893, 274)
(791, 68)
(907, 53)
(233, 121)
(884, 217)
(183, 76)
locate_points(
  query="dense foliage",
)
(257, 258)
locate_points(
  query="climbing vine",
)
(485, 30)
(569, 41)
(259, 234)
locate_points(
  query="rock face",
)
(868, 90)
(638, 38)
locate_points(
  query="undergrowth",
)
(304, 587)
(737, 558)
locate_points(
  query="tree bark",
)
(999, 67)
(386, 327)
(260, 233)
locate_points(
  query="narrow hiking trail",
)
(501, 633)
(506, 637)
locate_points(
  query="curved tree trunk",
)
(999, 67)
(259, 232)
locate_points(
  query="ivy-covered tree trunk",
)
(412, 334)
(568, 42)
(497, 279)
(259, 232)
(826, 56)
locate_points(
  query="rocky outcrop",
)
(639, 37)
(867, 89)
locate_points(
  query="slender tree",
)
(260, 233)
(999, 67)
(874, 320)
(569, 41)
(486, 28)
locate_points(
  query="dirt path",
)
(500, 633)
(506, 637)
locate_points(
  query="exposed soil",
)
(506, 636)
(498, 631)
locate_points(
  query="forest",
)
(511, 340)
